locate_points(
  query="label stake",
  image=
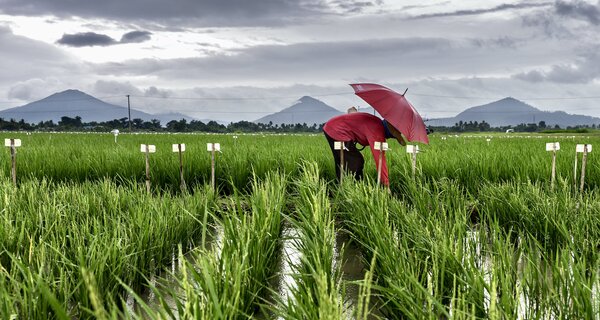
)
(147, 149)
(585, 149)
(13, 144)
(413, 150)
(382, 147)
(553, 146)
(339, 145)
(180, 148)
(212, 147)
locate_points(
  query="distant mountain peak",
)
(308, 99)
(305, 110)
(70, 94)
(511, 111)
(72, 103)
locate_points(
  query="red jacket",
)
(363, 128)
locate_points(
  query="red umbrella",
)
(394, 108)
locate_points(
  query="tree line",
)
(76, 124)
(483, 126)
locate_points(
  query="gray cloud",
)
(298, 62)
(579, 9)
(584, 69)
(355, 6)
(136, 37)
(22, 58)
(184, 12)
(502, 7)
(86, 39)
(91, 39)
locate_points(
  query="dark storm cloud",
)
(86, 39)
(136, 37)
(502, 7)
(580, 10)
(91, 39)
(183, 12)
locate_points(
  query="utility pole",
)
(129, 110)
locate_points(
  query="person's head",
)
(352, 110)
(392, 132)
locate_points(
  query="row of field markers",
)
(338, 145)
(180, 148)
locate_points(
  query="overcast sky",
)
(240, 60)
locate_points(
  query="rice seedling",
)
(478, 234)
(317, 292)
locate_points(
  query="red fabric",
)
(394, 108)
(363, 128)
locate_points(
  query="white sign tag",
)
(151, 148)
(213, 146)
(337, 145)
(552, 146)
(380, 146)
(176, 147)
(17, 142)
(581, 147)
(412, 149)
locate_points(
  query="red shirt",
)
(363, 128)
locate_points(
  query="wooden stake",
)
(553, 169)
(414, 163)
(183, 188)
(212, 167)
(583, 163)
(341, 162)
(553, 146)
(381, 146)
(575, 171)
(13, 157)
(339, 145)
(147, 169)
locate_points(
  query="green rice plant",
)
(317, 293)
(76, 243)
(230, 280)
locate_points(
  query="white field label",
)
(17, 142)
(213, 147)
(176, 147)
(337, 145)
(552, 146)
(581, 147)
(380, 146)
(412, 149)
(151, 148)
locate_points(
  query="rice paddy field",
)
(479, 232)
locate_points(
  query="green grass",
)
(479, 234)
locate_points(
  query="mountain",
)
(306, 110)
(167, 117)
(510, 111)
(73, 103)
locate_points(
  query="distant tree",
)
(542, 124)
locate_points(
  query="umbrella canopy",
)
(394, 108)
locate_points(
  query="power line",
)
(242, 98)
